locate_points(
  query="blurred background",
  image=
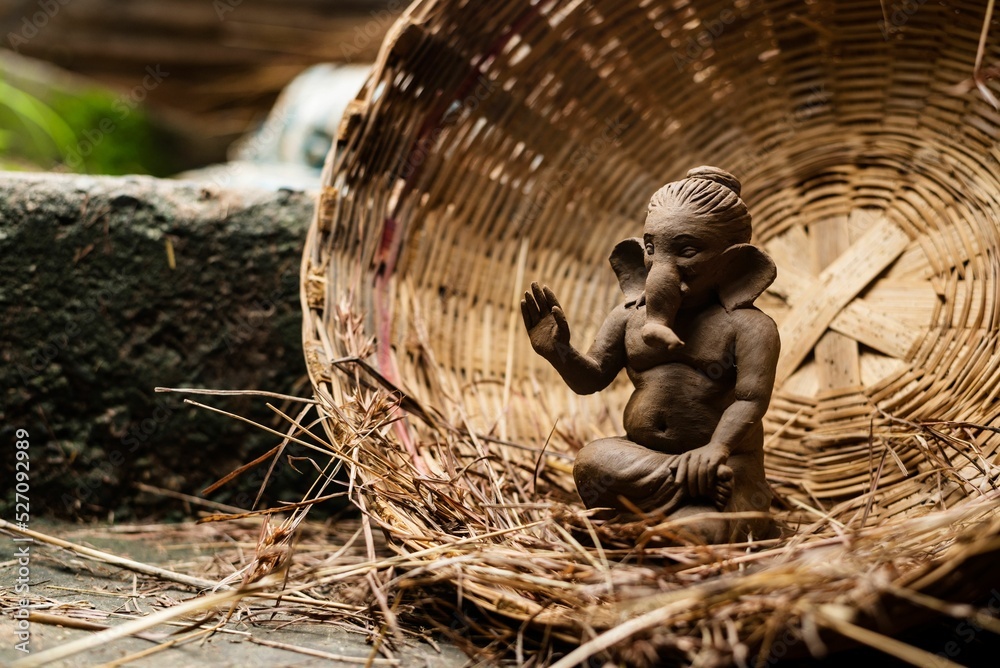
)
(112, 285)
(161, 87)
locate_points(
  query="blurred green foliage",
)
(89, 130)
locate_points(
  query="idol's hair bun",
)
(720, 176)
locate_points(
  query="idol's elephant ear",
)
(745, 272)
(628, 261)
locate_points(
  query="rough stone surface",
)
(93, 317)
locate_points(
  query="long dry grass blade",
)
(107, 558)
(191, 606)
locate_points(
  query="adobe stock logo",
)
(697, 45)
(965, 632)
(897, 15)
(123, 107)
(32, 25)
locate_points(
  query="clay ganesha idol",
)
(701, 357)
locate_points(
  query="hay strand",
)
(107, 558)
(194, 605)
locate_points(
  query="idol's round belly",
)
(675, 408)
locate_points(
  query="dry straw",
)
(497, 143)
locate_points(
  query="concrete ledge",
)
(110, 287)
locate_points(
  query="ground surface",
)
(90, 591)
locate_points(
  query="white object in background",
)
(289, 148)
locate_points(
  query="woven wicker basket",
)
(503, 142)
